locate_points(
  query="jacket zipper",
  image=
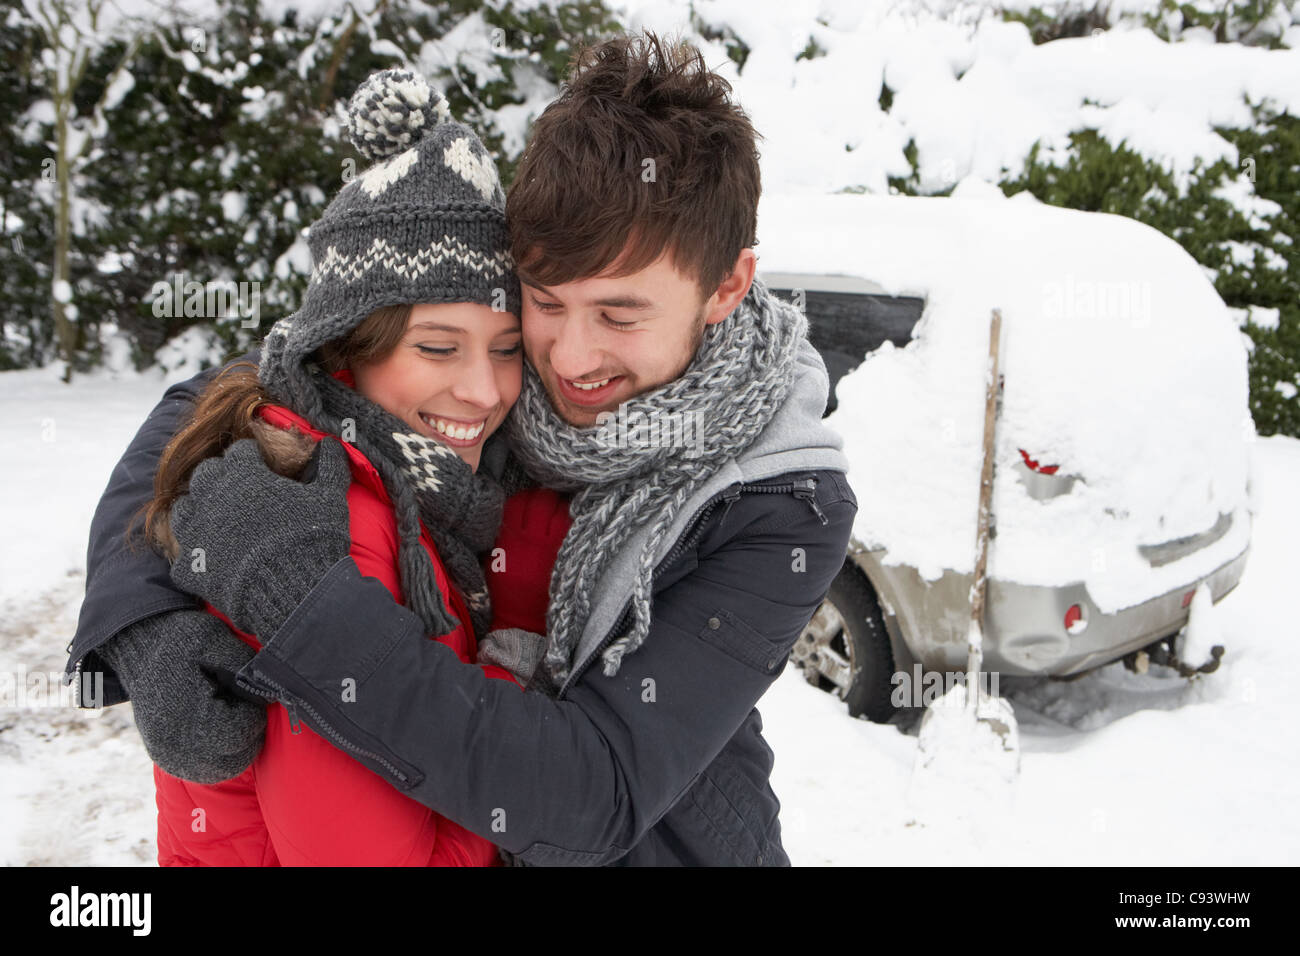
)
(697, 529)
(805, 489)
(281, 695)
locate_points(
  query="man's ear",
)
(732, 289)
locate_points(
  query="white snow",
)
(1094, 786)
(972, 91)
(1241, 194)
(1116, 768)
(189, 353)
(1203, 630)
(1243, 254)
(387, 48)
(1120, 365)
(233, 205)
(1258, 315)
(123, 83)
(297, 258)
(971, 752)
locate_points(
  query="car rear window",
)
(846, 326)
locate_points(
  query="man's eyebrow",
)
(614, 302)
(625, 302)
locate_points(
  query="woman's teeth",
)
(589, 386)
(453, 430)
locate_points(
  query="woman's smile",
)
(455, 431)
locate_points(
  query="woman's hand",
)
(192, 728)
(253, 543)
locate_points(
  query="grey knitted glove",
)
(253, 543)
(191, 727)
(514, 649)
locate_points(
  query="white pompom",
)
(391, 111)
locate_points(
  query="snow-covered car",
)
(1123, 443)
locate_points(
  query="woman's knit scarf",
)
(738, 378)
(426, 481)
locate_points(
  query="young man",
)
(693, 561)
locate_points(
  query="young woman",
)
(404, 359)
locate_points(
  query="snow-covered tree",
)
(203, 142)
(74, 31)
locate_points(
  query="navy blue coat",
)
(614, 771)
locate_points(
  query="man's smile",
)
(589, 394)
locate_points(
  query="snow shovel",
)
(969, 740)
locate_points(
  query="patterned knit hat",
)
(425, 223)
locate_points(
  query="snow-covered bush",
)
(1240, 223)
(224, 137)
(224, 142)
(1253, 22)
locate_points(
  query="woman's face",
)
(453, 376)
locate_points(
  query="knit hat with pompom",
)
(425, 223)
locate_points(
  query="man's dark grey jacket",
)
(662, 764)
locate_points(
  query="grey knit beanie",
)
(425, 223)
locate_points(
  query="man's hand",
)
(253, 543)
(515, 650)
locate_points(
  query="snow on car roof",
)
(1120, 364)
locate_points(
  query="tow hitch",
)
(1162, 652)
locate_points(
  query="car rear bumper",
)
(1024, 626)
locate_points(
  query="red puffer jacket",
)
(303, 802)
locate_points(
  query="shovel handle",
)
(975, 654)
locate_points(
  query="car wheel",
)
(845, 648)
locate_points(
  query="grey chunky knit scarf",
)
(622, 482)
(426, 481)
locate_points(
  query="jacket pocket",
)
(727, 813)
(729, 634)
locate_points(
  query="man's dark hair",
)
(586, 185)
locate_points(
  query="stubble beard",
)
(557, 400)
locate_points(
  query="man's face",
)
(597, 342)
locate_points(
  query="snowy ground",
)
(75, 789)
(1116, 768)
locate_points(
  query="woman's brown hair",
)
(227, 411)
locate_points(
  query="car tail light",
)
(1042, 481)
(1074, 620)
(1035, 466)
